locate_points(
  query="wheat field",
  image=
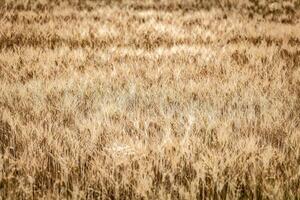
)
(154, 99)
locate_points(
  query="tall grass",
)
(149, 100)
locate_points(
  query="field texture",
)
(153, 99)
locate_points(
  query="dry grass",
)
(149, 99)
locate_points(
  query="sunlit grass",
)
(144, 100)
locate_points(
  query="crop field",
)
(154, 99)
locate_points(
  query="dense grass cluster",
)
(149, 99)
